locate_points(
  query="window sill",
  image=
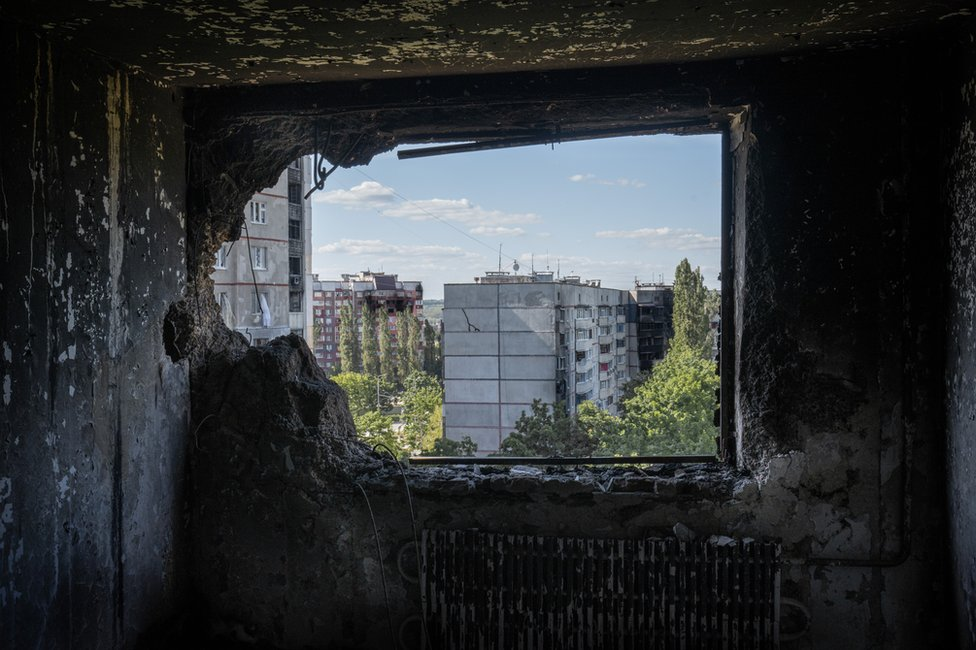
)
(707, 481)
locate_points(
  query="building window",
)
(604, 367)
(604, 384)
(260, 257)
(221, 262)
(294, 230)
(605, 348)
(259, 301)
(259, 212)
(294, 193)
(294, 301)
(620, 328)
(582, 334)
(604, 330)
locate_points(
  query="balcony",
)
(295, 175)
(295, 280)
(296, 247)
(606, 357)
(584, 365)
(605, 321)
(295, 211)
(584, 386)
(606, 339)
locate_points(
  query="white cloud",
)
(681, 239)
(459, 210)
(377, 247)
(497, 231)
(615, 182)
(370, 195)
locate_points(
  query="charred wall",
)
(837, 322)
(94, 413)
(960, 161)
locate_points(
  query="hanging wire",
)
(379, 556)
(416, 538)
(321, 174)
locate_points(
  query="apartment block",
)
(510, 339)
(654, 303)
(262, 281)
(382, 292)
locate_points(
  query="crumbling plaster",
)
(207, 43)
(94, 413)
(837, 358)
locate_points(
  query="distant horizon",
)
(441, 220)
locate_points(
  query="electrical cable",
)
(250, 261)
(379, 557)
(416, 538)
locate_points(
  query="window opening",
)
(606, 340)
(259, 212)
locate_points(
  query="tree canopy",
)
(690, 318)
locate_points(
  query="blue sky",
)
(612, 210)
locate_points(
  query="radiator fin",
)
(496, 591)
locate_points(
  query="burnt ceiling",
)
(207, 43)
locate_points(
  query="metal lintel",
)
(560, 460)
(549, 138)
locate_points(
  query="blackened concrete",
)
(838, 404)
(94, 412)
(960, 136)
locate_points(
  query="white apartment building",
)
(263, 281)
(509, 340)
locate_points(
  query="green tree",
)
(364, 392)
(369, 348)
(403, 354)
(690, 318)
(674, 408)
(432, 350)
(388, 369)
(408, 341)
(713, 307)
(348, 341)
(547, 431)
(447, 447)
(373, 428)
(612, 435)
(422, 398)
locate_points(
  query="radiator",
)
(487, 590)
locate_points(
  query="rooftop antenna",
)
(499, 258)
(533, 264)
(557, 267)
(547, 259)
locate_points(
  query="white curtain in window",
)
(265, 312)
